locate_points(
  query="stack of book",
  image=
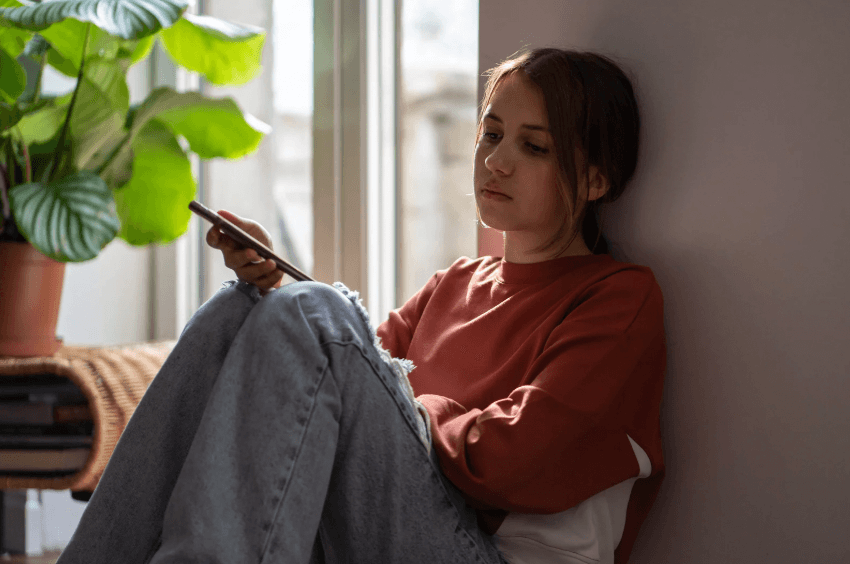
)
(46, 426)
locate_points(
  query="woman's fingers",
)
(212, 237)
(268, 279)
(251, 272)
(240, 258)
(249, 226)
(263, 274)
(232, 217)
(246, 263)
(219, 240)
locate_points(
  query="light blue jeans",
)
(276, 433)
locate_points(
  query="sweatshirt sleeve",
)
(396, 332)
(560, 439)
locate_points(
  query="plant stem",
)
(41, 64)
(60, 147)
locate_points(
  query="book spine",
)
(71, 413)
(40, 413)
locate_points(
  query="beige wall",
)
(740, 206)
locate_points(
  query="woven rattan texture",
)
(113, 379)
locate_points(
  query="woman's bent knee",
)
(325, 310)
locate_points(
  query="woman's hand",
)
(246, 263)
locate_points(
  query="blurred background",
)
(739, 206)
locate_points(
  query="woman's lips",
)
(493, 195)
(489, 191)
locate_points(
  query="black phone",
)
(246, 240)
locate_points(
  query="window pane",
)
(244, 186)
(437, 113)
(293, 122)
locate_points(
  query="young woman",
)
(507, 412)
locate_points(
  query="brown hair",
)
(591, 106)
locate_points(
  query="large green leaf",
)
(97, 121)
(65, 66)
(110, 81)
(138, 50)
(119, 170)
(13, 79)
(213, 127)
(224, 52)
(12, 40)
(70, 220)
(128, 19)
(68, 36)
(9, 116)
(90, 147)
(154, 205)
(42, 125)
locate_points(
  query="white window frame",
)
(355, 177)
(176, 268)
(383, 64)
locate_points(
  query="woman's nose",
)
(498, 160)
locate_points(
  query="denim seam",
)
(390, 389)
(472, 544)
(288, 481)
(400, 367)
(435, 470)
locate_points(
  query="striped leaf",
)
(128, 19)
(69, 220)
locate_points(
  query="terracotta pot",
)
(30, 291)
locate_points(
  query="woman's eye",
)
(490, 135)
(535, 149)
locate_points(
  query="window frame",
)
(176, 269)
(355, 134)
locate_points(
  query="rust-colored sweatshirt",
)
(535, 378)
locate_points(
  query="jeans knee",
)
(330, 313)
(309, 295)
(309, 289)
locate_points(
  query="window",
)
(366, 176)
(438, 114)
(292, 47)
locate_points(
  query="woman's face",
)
(515, 156)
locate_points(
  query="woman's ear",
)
(598, 185)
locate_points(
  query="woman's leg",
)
(305, 426)
(123, 519)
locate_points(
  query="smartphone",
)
(244, 239)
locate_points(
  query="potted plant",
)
(78, 170)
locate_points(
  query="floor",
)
(48, 558)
